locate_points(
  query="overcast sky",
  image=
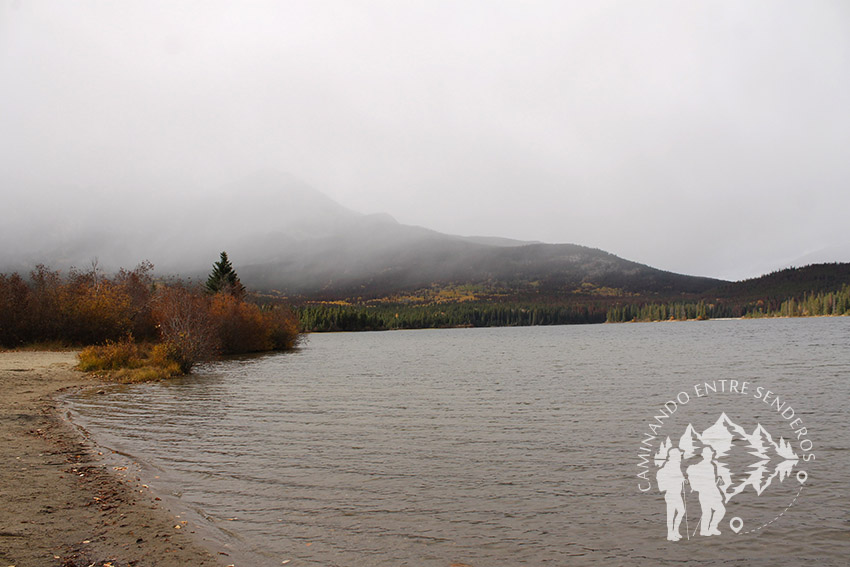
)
(709, 138)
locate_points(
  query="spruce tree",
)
(223, 278)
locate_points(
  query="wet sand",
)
(60, 504)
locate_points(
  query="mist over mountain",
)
(179, 231)
(284, 235)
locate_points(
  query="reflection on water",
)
(489, 446)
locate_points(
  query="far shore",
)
(60, 504)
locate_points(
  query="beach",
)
(60, 503)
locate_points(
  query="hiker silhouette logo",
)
(703, 473)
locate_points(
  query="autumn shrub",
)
(241, 326)
(138, 286)
(164, 355)
(186, 326)
(245, 327)
(284, 327)
(96, 313)
(100, 308)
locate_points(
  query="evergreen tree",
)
(223, 278)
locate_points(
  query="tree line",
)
(831, 303)
(333, 316)
(323, 317)
(811, 304)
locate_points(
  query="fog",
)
(708, 138)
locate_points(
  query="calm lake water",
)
(492, 447)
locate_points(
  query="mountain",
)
(284, 235)
(722, 435)
(373, 260)
(690, 443)
(760, 443)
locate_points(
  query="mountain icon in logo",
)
(742, 459)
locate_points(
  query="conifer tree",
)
(223, 278)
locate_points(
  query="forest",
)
(817, 290)
(322, 317)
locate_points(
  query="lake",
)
(502, 446)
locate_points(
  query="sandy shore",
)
(59, 503)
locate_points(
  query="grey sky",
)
(710, 138)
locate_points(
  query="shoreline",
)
(60, 503)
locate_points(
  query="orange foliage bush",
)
(285, 327)
(138, 286)
(241, 326)
(245, 327)
(94, 312)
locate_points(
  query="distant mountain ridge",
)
(284, 235)
(378, 260)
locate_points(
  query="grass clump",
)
(128, 361)
(112, 355)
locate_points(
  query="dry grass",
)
(128, 361)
